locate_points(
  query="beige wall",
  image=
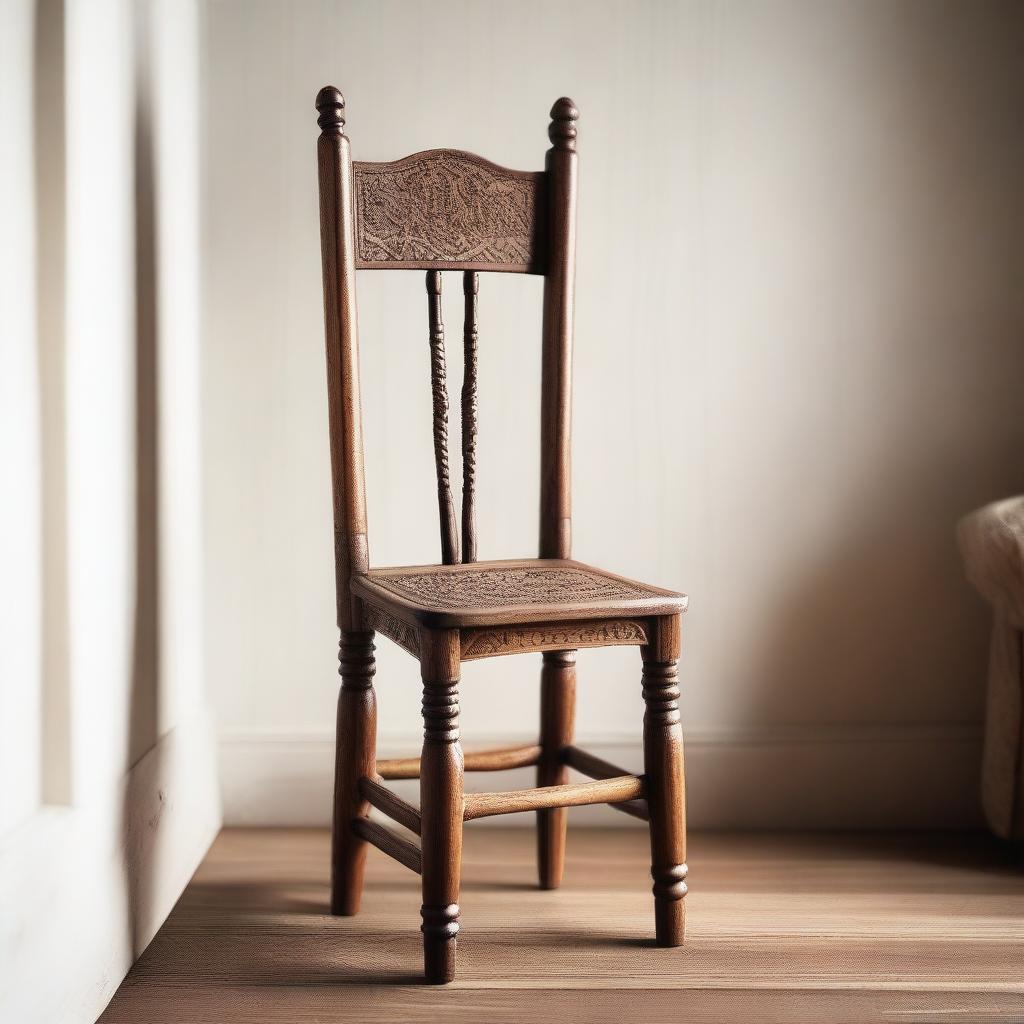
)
(798, 361)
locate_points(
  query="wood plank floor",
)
(779, 928)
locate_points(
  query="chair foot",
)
(551, 830)
(440, 928)
(670, 906)
(347, 891)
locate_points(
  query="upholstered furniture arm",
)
(992, 542)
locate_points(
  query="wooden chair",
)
(448, 210)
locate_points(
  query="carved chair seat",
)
(445, 210)
(508, 593)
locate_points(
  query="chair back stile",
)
(445, 210)
(337, 240)
(556, 372)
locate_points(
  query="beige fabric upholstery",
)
(992, 542)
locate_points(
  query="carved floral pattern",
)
(483, 643)
(496, 587)
(383, 622)
(448, 206)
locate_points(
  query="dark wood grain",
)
(444, 209)
(557, 716)
(497, 759)
(572, 794)
(337, 243)
(354, 758)
(634, 808)
(357, 715)
(663, 764)
(556, 360)
(597, 768)
(439, 396)
(378, 795)
(470, 416)
(438, 210)
(590, 765)
(526, 637)
(388, 842)
(441, 801)
(402, 633)
(512, 591)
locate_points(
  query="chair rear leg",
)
(354, 757)
(663, 767)
(557, 717)
(441, 803)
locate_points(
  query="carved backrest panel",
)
(445, 209)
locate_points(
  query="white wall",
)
(112, 801)
(20, 521)
(798, 362)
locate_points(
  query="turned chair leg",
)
(441, 803)
(557, 715)
(354, 757)
(663, 767)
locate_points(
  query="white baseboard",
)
(800, 778)
(83, 889)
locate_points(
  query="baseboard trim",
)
(84, 889)
(778, 778)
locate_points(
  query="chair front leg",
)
(354, 757)
(441, 802)
(663, 767)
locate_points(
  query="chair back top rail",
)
(444, 209)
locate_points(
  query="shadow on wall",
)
(49, 160)
(144, 692)
(143, 699)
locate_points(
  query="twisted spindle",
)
(470, 337)
(439, 390)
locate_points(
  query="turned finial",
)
(331, 105)
(562, 130)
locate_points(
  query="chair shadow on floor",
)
(279, 934)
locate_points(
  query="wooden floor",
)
(779, 928)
